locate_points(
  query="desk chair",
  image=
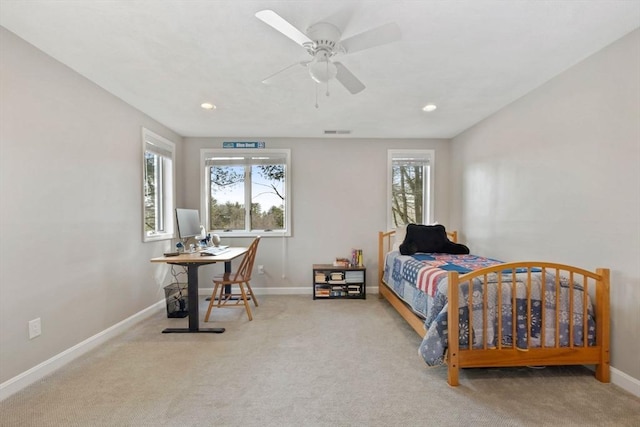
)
(241, 277)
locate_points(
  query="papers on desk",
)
(215, 250)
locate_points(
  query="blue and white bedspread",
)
(421, 281)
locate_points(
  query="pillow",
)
(429, 239)
(400, 233)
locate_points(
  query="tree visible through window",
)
(153, 206)
(247, 192)
(410, 187)
(158, 186)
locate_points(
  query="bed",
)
(481, 333)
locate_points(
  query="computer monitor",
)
(188, 223)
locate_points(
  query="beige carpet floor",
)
(303, 363)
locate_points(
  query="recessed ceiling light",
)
(208, 106)
(429, 107)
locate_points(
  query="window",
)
(246, 193)
(410, 187)
(158, 187)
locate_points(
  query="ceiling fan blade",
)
(340, 18)
(347, 79)
(371, 38)
(274, 76)
(271, 18)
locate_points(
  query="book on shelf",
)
(357, 258)
(336, 275)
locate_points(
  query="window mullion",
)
(160, 207)
(247, 197)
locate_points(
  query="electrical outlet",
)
(35, 328)
(261, 269)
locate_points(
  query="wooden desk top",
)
(196, 258)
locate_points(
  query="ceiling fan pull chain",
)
(316, 85)
(328, 79)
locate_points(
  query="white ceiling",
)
(470, 57)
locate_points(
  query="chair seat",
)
(226, 277)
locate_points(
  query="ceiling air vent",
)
(337, 132)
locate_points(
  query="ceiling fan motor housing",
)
(325, 37)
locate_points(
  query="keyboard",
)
(215, 250)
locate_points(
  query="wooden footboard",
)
(498, 354)
(550, 351)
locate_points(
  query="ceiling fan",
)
(323, 41)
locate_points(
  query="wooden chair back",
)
(243, 273)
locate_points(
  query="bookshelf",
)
(332, 282)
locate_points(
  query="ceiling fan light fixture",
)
(208, 106)
(322, 70)
(429, 108)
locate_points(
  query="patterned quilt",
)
(421, 281)
(415, 278)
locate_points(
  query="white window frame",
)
(166, 150)
(429, 182)
(206, 153)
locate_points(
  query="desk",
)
(192, 261)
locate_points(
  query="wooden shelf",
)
(333, 282)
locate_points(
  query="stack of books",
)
(320, 277)
(323, 291)
(354, 290)
(336, 277)
(341, 262)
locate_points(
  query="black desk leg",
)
(227, 269)
(194, 315)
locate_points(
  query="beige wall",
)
(71, 250)
(556, 176)
(339, 203)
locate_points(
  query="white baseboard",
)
(305, 290)
(47, 367)
(17, 383)
(625, 382)
(267, 291)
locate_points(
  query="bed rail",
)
(385, 244)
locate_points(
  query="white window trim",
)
(168, 148)
(429, 185)
(205, 190)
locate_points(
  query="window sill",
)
(256, 233)
(157, 237)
